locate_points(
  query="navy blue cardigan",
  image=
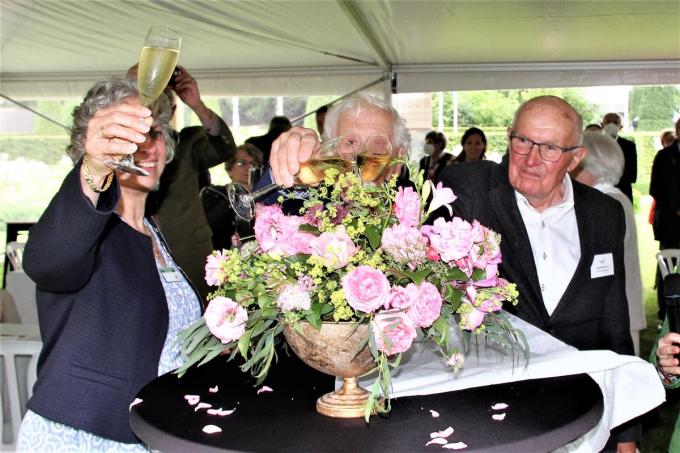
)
(102, 311)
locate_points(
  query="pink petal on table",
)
(438, 441)
(220, 412)
(498, 417)
(455, 446)
(202, 406)
(499, 406)
(435, 414)
(134, 403)
(213, 389)
(446, 433)
(264, 388)
(211, 429)
(192, 399)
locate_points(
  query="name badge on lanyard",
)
(170, 275)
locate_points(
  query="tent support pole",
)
(24, 106)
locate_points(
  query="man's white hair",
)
(354, 105)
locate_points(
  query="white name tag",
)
(170, 275)
(603, 265)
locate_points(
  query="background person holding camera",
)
(176, 205)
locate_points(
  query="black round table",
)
(543, 414)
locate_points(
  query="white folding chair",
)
(20, 359)
(669, 261)
(15, 252)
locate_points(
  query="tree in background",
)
(654, 106)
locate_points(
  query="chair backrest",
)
(15, 252)
(669, 261)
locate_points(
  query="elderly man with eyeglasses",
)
(562, 241)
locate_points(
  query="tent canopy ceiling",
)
(59, 48)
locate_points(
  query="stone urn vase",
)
(333, 350)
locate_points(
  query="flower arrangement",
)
(359, 254)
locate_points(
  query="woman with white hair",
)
(602, 168)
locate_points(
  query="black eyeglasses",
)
(249, 163)
(547, 151)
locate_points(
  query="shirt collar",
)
(567, 201)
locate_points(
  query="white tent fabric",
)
(59, 48)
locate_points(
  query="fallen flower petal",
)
(499, 406)
(455, 446)
(498, 417)
(202, 406)
(435, 414)
(211, 429)
(264, 388)
(438, 441)
(213, 389)
(135, 402)
(446, 433)
(192, 399)
(220, 412)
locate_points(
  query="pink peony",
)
(335, 249)
(393, 331)
(452, 240)
(279, 234)
(402, 297)
(226, 319)
(214, 275)
(366, 289)
(407, 207)
(427, 307)
(294, 297)
(405, 244)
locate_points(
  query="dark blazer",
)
(177, 205)
(593, 312)
(102, 311)
(629, 175)
(664, 186)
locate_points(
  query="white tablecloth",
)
(630, 386)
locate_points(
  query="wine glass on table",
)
(156, 65)
(336, 153)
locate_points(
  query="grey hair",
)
(577, 118)
(355, 104)
(604, 159)
(107, 93)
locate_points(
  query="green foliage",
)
(50, 149)
(654, 106)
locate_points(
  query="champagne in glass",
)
(313, 171)
(373, 159)
(156, 64)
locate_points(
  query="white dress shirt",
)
(555, 243)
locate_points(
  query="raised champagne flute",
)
(336, 153)
(373, 158)
(157, 61)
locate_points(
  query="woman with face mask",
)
(435, 158)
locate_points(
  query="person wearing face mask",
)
(473, 142)
(611, 125)
(435, 158)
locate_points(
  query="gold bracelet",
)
(108, 179)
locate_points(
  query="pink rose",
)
(452, 240)
(366, 289)
(279, 234)
(491, 276)
(405, 244)
(432, 254)
(294, 297)
(427, 307)
(335, 249)
(407, 207)
(393, 331)
(225, 319)
(214, 275)
(402, 297)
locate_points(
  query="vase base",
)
(349, 401)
